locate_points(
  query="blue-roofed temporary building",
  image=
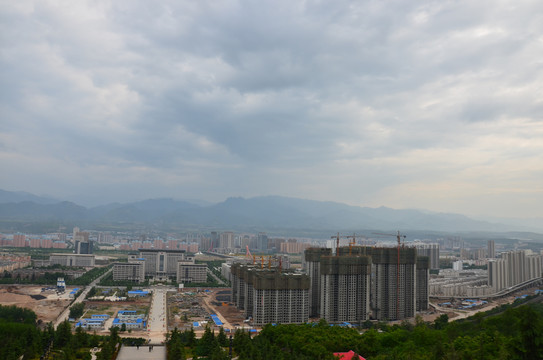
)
(100, 316)
(216, 320)
(133, 293)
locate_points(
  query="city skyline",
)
(426, 105)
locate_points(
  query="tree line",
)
(517, 333)
(19, 336)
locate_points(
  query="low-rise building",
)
(79, 260)
(189, 272)
(130, 271)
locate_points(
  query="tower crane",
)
(337, 237)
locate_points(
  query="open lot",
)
(46, 304)
(196, 305)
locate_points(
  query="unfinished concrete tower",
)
(345, 288)
(280, 298)
(312, 267)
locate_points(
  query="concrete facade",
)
(345, 288)
(312, 258)
(78, 260)
(131, 271)
(270, 296)
(513, 268)
(189, 272)
(161, 263)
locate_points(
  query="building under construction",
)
(393, 284)
(423, 282)
(345, 288)
(312, 266)
(268, 295)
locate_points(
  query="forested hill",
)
(516, 333)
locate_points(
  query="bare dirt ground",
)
(47, 304)
(112, 308)
(193, 305)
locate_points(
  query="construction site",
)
(194, 308)
(45, 302)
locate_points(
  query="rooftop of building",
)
(162, 250)
(348, 355)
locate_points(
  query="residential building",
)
(345, 288)
(280, 298)
(311, 265)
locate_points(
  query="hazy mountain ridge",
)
(258, 212)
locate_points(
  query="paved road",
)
(143, 353)
(64, 315)
(216, 277)
(156, 323)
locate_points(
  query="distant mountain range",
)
(258, 213)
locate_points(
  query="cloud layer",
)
(432, 104)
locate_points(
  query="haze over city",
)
(429, 105)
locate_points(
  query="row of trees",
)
(19, 336)
(516, 333)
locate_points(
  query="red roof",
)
(348, 356)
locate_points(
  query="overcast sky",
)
(432, 105)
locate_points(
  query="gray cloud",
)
(372, 103)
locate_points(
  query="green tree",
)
(221, 338)
(441, 322)
(76, 311)
(206, 343)
(63, 334)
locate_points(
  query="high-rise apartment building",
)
(312, 266)
(394, 289)
(262, 241)
(430, 250)
(491, 251)
(280, 298)
(214, 240)
(345, 288)
(513, 268)
(226, 240)
(19, 240)
(423, 283)
(270, 296)
(393, 283)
